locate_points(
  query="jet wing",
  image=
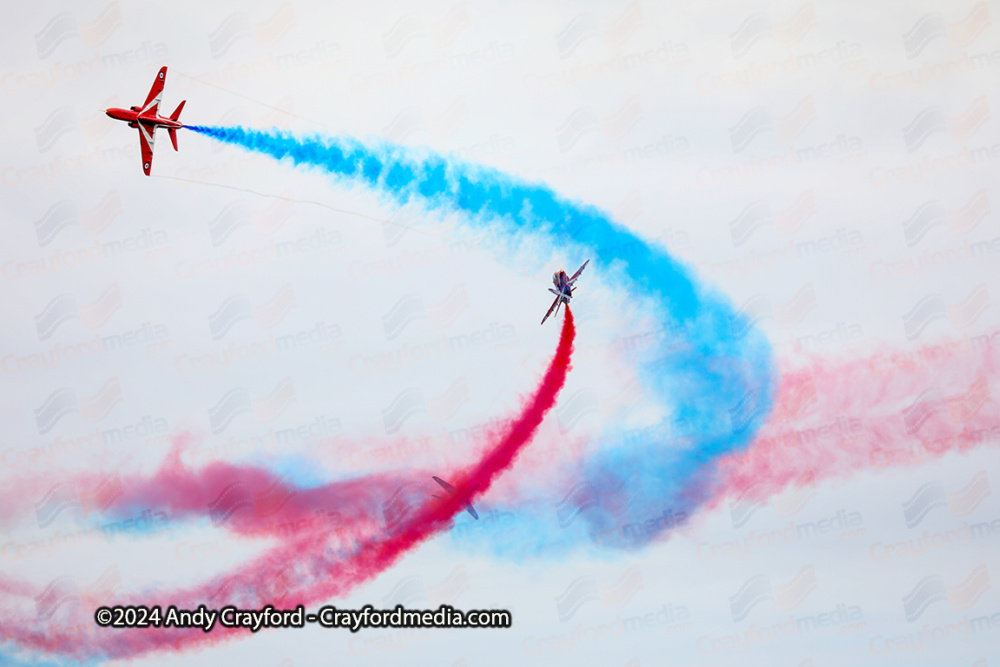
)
(553, 307)
(451, 489)
(579, 271)
(444, 485)
(147, 135)
(149, 107)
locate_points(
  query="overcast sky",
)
(831, 167)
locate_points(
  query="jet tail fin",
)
(173, 136)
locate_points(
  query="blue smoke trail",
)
(713, 371)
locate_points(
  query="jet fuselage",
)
(131, 116)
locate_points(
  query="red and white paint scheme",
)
(564, 289)
(146, 120)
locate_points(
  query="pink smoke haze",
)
(833, 418)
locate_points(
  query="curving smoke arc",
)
(711, 369)
(712, 372)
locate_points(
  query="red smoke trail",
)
(892, 409)
(301, 569)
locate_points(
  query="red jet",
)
(147, 121)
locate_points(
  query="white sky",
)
(636, 108)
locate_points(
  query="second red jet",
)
(145, 118)
(564, 289)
